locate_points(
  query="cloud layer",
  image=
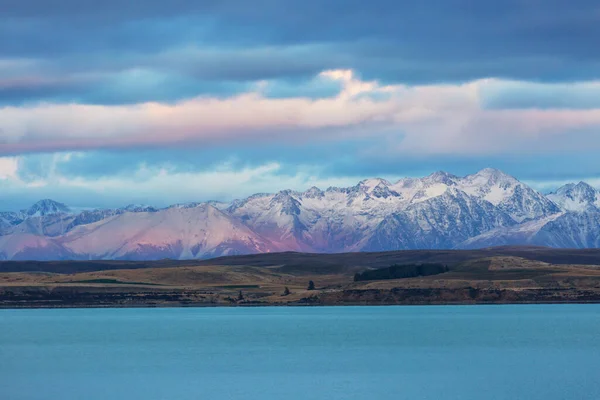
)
(98, 97)
(159, 184)
(430, 119)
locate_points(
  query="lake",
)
(428, 352)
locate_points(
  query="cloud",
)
(401, 119)
(425, 42)
(8, 168)
(501, 94)
(159, 184)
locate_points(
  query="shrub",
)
(400, 272)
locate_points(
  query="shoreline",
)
(273, 305)
(335, 299)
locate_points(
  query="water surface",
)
(446, 352)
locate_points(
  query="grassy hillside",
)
(498, 275)
(307, 263)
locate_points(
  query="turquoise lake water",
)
(446, 352)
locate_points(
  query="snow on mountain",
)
(46, 207)
(564, 230)
(511, 196)
(90, 216)
(375, 214)
(438, 222)
(504, 191)
(11, 218)
(26, 246)
(413, 190)
(139, 208)
(8, 220)
(572, 230)
(277, 217)
(50, 225)
(438, 211)
(576, 197)
(180, 233)
(521, 234)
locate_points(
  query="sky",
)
(107, 103)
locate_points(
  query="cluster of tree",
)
(401, 271)
(286, 290)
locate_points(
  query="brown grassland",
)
(496, 275)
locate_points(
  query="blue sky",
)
(115, 102)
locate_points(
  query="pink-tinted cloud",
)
(8, 168)
(445, 119)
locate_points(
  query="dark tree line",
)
(401, 271)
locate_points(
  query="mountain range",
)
(440, 211)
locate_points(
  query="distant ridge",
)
(439, 211)
(302, 263)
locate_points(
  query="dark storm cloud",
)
(441, 40)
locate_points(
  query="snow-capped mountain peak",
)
(46, 207)
(489, 178)
(576, 197)
(313, 193)
(368, 185)
(286, 202)
(442, 177)
(517, 199)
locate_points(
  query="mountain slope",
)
(572, 230)
(198, 232)
(437, 223)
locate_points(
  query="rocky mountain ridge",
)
(439, 211)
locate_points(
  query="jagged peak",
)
(570, 188)
(407, 182)
(373, 182)
(219, 205)
(384, 191)
(491, 177)
(47, 207)
(576, 197)
(139, 208)
(313, 192)
(238, 203)
(286, 200)
(442, 174)
(442, 177)
(185, 205)
(564, 188)
(369, 185)
(285, 194)
(492, 174)
(581, 185)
